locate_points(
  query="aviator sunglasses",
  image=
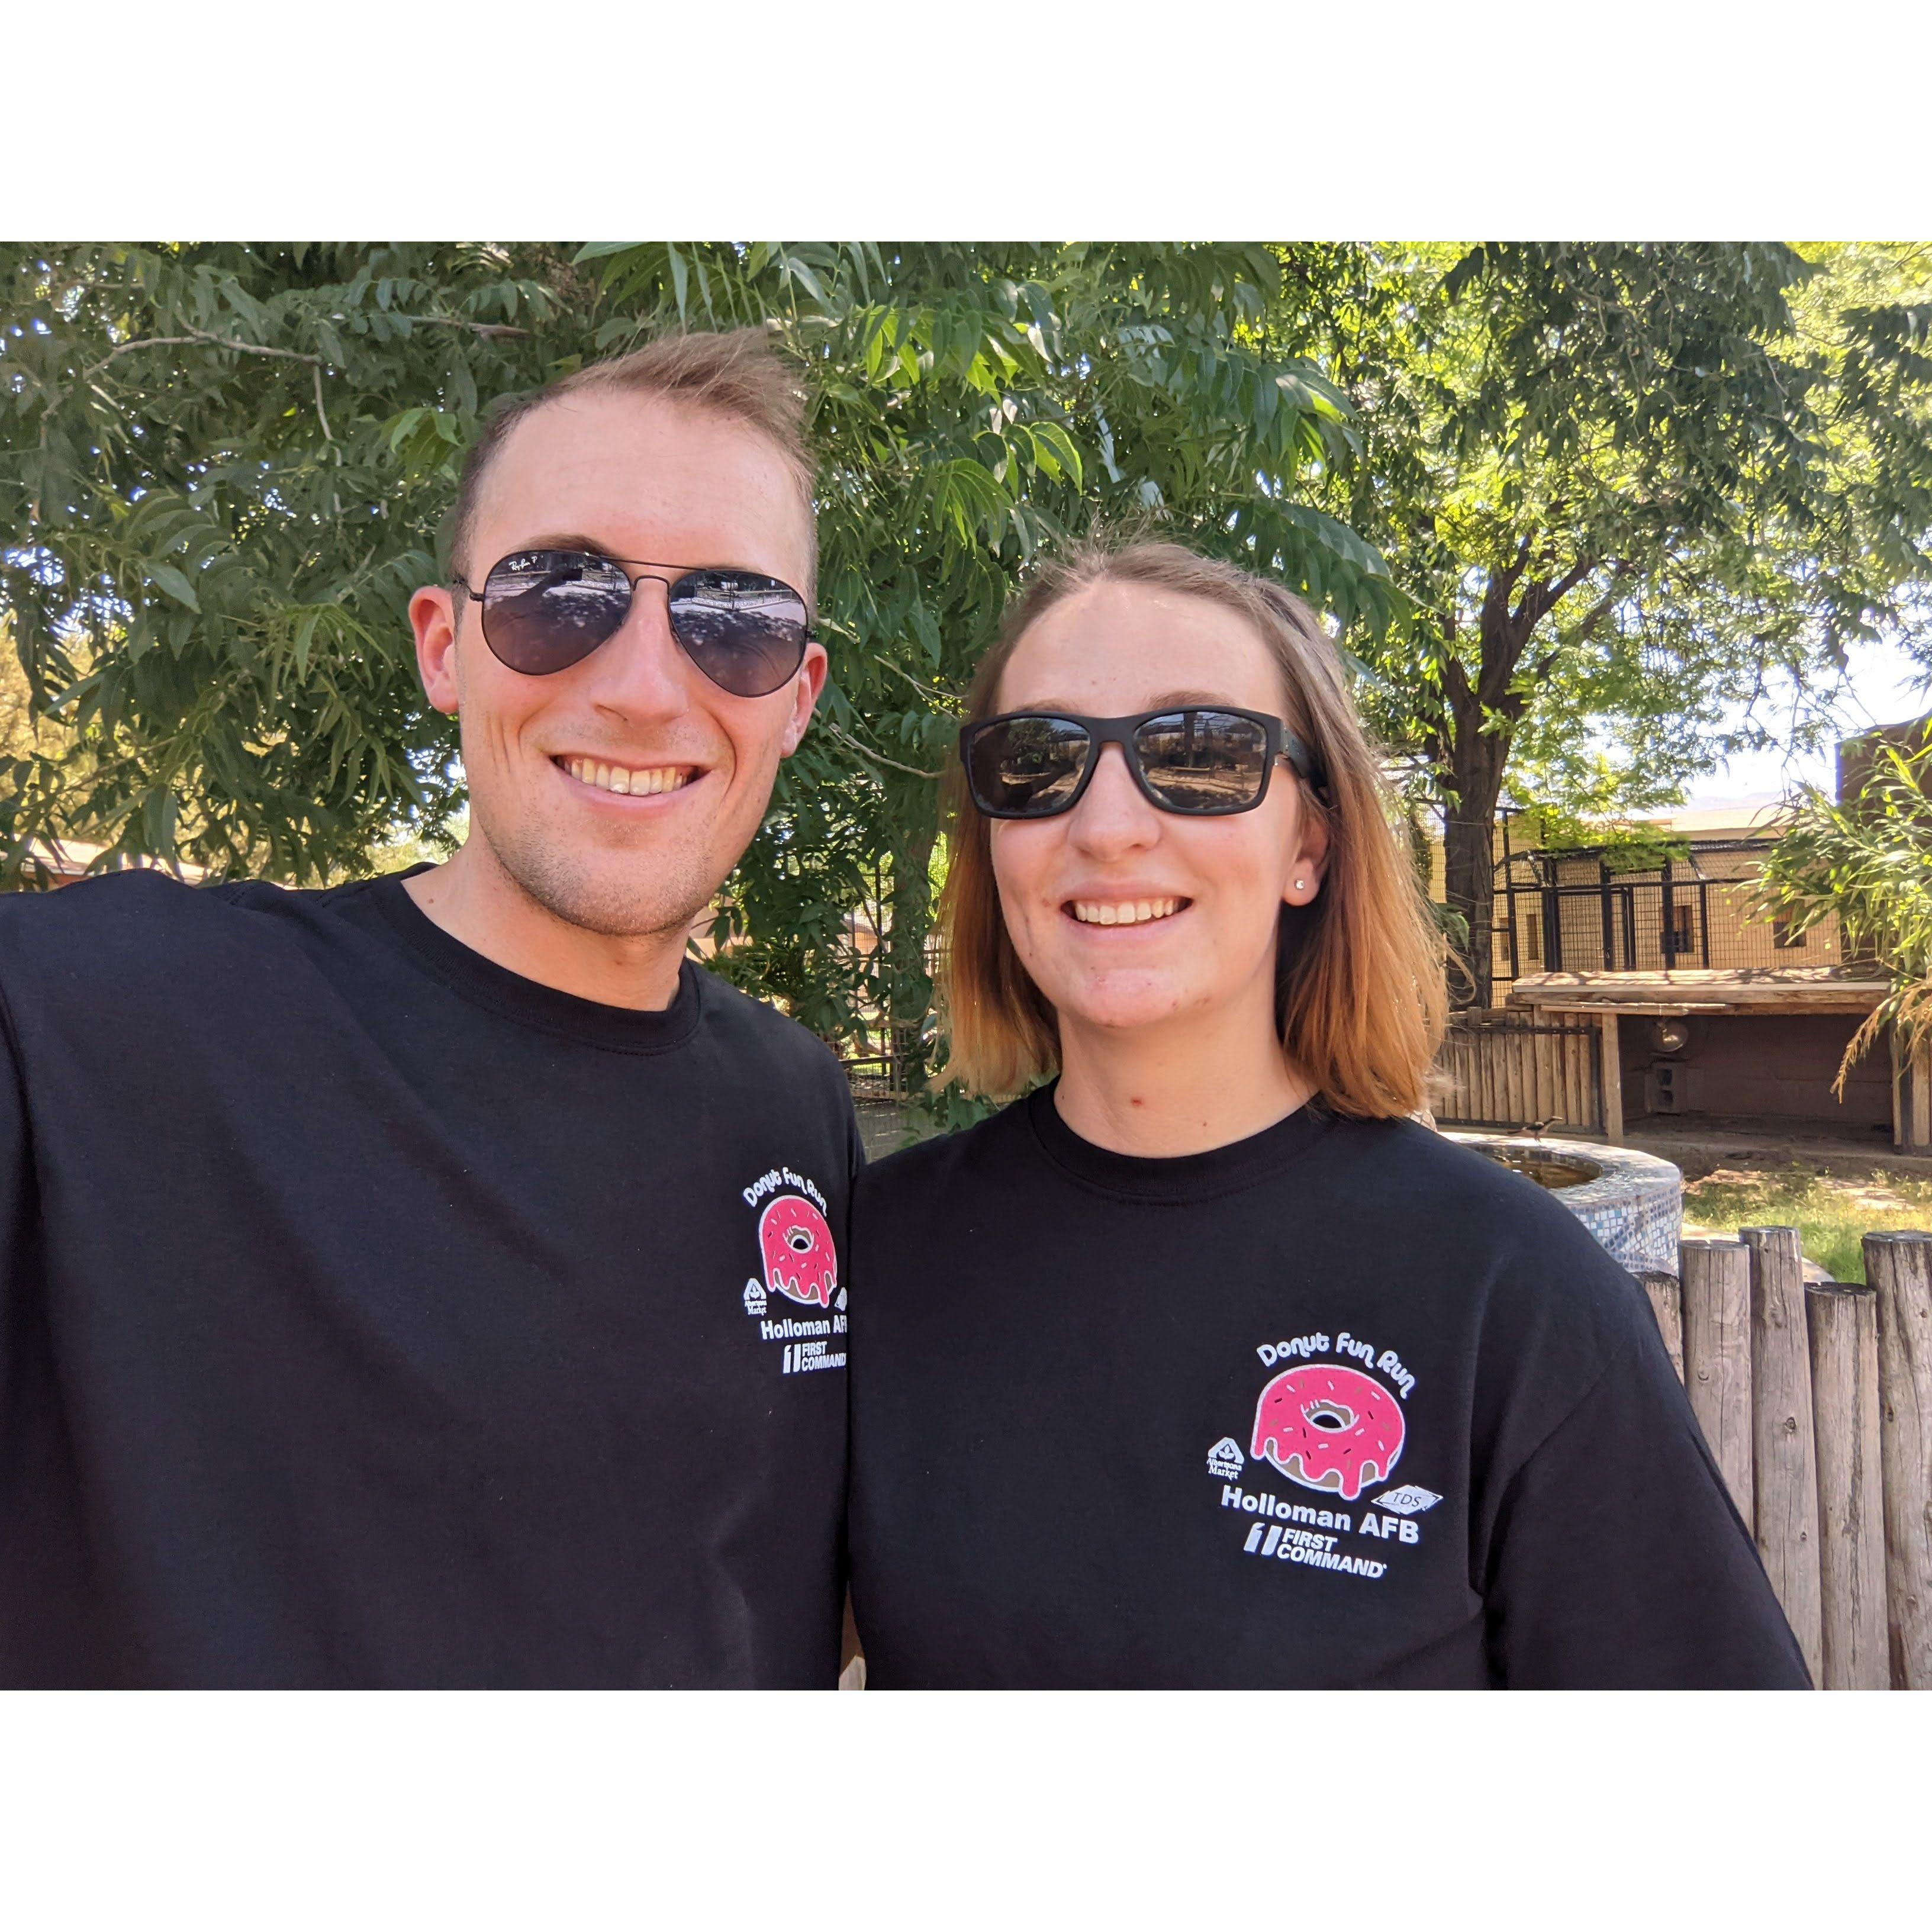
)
(546, 610)
(1204, 760)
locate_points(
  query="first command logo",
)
(801, 1263)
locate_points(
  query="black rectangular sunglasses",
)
(1206, 760)
(546, 610)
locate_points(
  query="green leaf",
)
(177, 586)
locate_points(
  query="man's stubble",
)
(618, 894)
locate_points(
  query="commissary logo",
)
(1329, 1426)
(801, 1263)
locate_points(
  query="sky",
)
(1885, 687)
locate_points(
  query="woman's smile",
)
(1153, 910)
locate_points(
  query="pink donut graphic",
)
(1328, 1429)
(800, 1258)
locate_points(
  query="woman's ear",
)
(1308, 861)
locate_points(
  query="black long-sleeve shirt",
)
(1343, 1404)
(370, 1315)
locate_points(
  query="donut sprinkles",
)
(1330, 1428)
(800, 1260)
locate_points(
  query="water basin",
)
(1632, 1202)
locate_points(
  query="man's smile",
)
(627, 781)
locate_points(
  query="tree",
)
(1869, 859)
(1619, 484)
(225, 467)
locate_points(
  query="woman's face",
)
(1127, 916)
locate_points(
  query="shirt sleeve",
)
(15, 1194)
(1619, 1560)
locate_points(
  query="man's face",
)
(652, 481)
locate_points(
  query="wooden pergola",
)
(1756, 991)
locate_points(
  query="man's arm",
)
(16, 1195)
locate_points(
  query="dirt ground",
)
(1700, 1145)
(1833, 1188)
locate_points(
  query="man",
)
(436, 1280)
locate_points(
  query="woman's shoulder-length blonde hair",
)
(1360, 989)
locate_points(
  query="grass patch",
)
(1830, 1211)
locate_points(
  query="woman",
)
(1203, 1365)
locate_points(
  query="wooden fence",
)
(1816, 1402)
(1506, 1068)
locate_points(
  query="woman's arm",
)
(1619, 1560)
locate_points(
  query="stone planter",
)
(1632, 1202)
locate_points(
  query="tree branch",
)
(1540, 599)
(937, 700)
(876, 757)
(200, 336)
(1619, 572)
(1569, 580)
(321, 413)
(488, 330)
(203, 338)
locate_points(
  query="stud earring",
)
(1299, 883)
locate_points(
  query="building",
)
(1650, 993)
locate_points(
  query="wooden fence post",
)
(1667, 1303)
(1784, 1461)
(1851, 1514)
(1716, 1277)
(1613, 1082)
(1899, 1266)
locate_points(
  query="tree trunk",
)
(1476, 758)
(1477, 761)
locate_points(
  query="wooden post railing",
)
(1784, 1463)
(1843, 1321)
(1899, 1266)
(1816, 1403)
(1716, 1357)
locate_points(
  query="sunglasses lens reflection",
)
(545, 610)
(1203, 760)
(1027, 766)
(746, 632)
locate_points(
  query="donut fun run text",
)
(1305, 1348)
(783, 1177)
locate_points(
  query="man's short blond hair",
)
(737, 375)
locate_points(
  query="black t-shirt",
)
(1342, 1404)
(370, 1315)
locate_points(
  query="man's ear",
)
(433, 618)
(805, 690)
